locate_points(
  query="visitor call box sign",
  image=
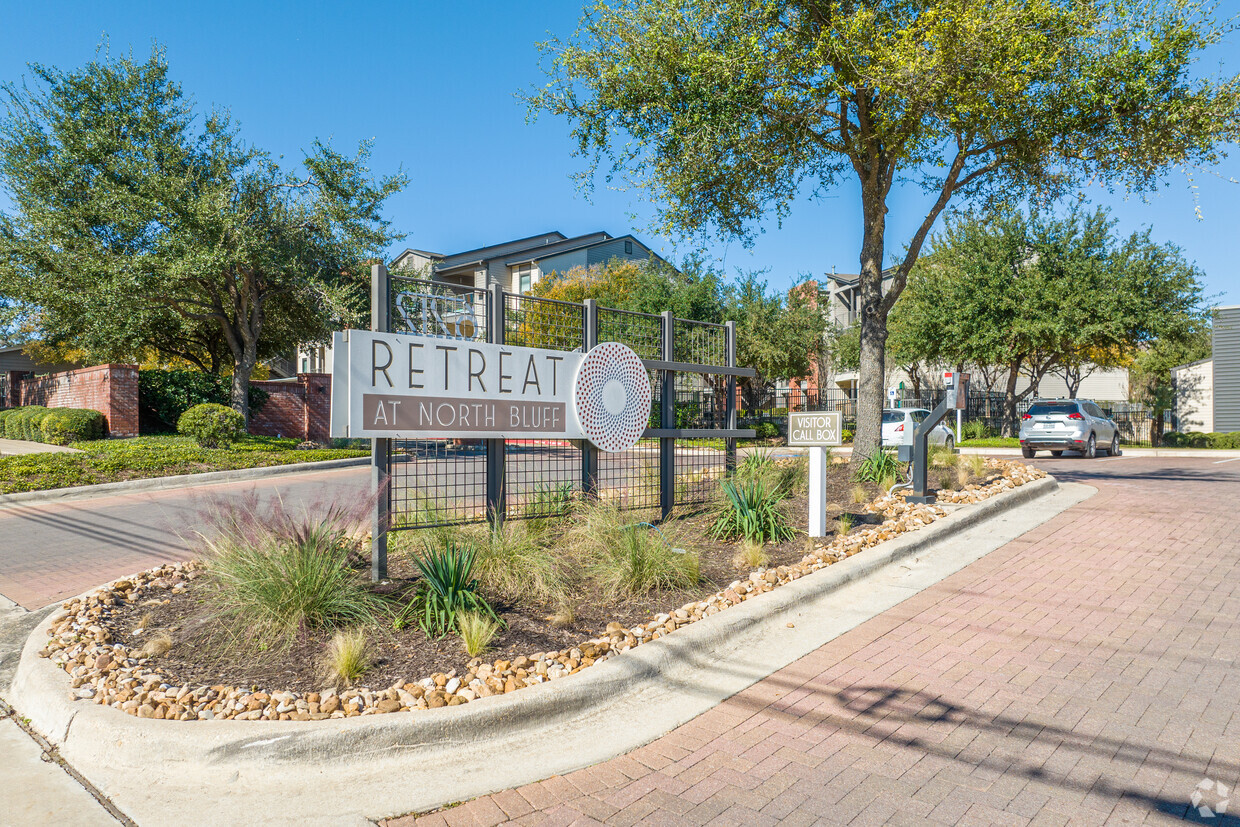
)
(408, 386)
(817, 428)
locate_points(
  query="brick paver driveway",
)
(1085, 673)
(53, 550)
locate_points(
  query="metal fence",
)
(689, 443)
(1135, 421)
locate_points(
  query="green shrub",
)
(5, 413)
(275, 572)
(846, 436)
(878, 466)
(63, 426)
(750, 509)
(25, 423)
(163, 395)
(212, 426)
(766, 430)
(978, 429)
(512, 565)
(1196, 439)
(448, 589)
(1227, 440)
(624, 555)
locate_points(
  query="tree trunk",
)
(1009, 400)
(243, 369)
(871, 391)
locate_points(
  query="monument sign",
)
(410, 386)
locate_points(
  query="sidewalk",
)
(15, 447)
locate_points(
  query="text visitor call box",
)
(816, 428)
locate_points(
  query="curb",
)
(454, 753)
(79, 492)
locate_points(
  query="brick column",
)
(122, 400)
(318, 396)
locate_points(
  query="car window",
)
(893, 416)
(1094, 410)
(919, 416)
(1045, 408)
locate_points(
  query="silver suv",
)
(1060, 425)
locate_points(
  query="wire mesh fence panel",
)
(641, 332)
(699, 342)
(700, 465)
(541, 476)
(544, 323)
(437, 482)
(630, 479)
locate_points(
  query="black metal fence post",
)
(496, 506)
(667, 445)
(589, 452)
(729, 461)
(380, 449)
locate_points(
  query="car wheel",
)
(1028, 453)
(1113, 451)
(1057, 453)
(1091, 448)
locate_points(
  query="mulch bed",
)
(407, 654)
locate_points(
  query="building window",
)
(525, 278)
(628, 248)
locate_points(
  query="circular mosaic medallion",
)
(612, 396)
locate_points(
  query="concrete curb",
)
(79, 492)
(330, 771)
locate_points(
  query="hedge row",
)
(55, 426)
(1196, 439)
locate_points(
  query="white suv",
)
(899, 424)
(1060, 425)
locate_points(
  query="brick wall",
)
(110, 389)
(300, 408)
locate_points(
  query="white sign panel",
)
(405, 386)
(818, 428)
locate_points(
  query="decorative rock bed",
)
(109, 673)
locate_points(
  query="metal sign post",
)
(957, 397)
(816, 431)
(380, 448)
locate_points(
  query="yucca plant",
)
(447, 589)
(750, 509)
(878, 466)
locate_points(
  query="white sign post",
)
(816, 431)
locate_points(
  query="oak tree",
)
(139, 223)
(728, 110)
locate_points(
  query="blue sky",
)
(434, 84)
